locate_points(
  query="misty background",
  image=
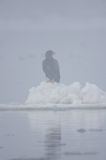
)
(74, 29)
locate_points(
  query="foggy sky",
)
(75, 30)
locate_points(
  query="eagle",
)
(50, 67)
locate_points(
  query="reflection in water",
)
(82, 132)
(47, 127)
(75, 135)
(53, 143)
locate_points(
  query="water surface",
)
(51, 135)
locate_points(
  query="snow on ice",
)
(55, 93)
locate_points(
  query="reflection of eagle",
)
(53, 143)
(51, 67)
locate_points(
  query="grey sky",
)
(75, 30)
